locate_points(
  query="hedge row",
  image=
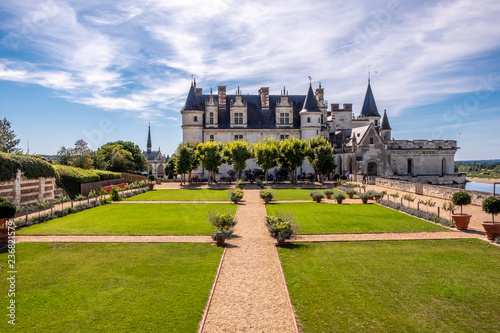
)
(31, 167)
(70, 178)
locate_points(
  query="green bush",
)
(282, 226)
(329, 191)
(7, 209)
(351, 191)
(107, 175)
(491, 205)
(240, 184)
(266, 194)
(115, 194)
(364, 196)
(31, 167)
(461, 199)
(339, 196)
(70, 178)
(236, 194)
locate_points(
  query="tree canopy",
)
(266, 153)
(186, 159)
(122, 156)
(292, 153)
(236, 154)
(8, 141)
(210, 155)
(324, 161)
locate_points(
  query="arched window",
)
(372, 169)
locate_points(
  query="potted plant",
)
(328, 192)
(339, 197)
(350, 192)
(317, 196)
(224, 223)
(491, 205)
(266, 195)
(461, 220)
(282, 226)
(364, 197)
(235, 195)
(376, 195)
(240, 184)
(7, 211)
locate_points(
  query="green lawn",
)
(181, 195)
(315, 218)
(110, 287)
(297, 193)
(401, 286)
(138, 219)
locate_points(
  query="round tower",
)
(310, 117)
(192, 117)
(385, 128)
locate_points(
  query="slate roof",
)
(385, 122)
(311, 104)
(152, 155)
(369, 107)
(257, 117)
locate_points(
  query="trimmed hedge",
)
(31, 167)
(70, 178)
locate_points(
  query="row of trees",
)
(268, 153)
(120, 156)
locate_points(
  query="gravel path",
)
(250, 295)
(382, 236)
(164, 201)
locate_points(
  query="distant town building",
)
(155, 158)
(362, 144)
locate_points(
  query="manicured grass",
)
(135, 218)
(315, 218)
(297, 193)
(181, 195)
(401, 286)
(110, 287)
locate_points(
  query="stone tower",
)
(369, 110)
(192, 117)
(385, 128)
(310, 117)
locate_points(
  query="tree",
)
(292, 153)
(65, 155)
(311, 144)
(114, 153)
(186, 160)
(267, 153)
(8, 141)
(82, 157)
(237, 153)
(170, 167)
(323, 162)
(210, 155)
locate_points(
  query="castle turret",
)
(192, 117)
(369, 109)
(149, 145)
(385, 128)
(310, 116)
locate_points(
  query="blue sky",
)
(102, 72)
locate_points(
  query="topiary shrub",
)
(266, 194)
(31, 167)
(491, 205)
(235, 195)
(461, 199)
(282, 226)
(115, 194)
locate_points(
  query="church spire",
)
(149, 145)
(385, 122)
(310, 103)
(369, 107)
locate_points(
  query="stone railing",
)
(422, 144)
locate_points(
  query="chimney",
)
(222, 97)
(264, 97)
(335, 107)
(199, 91)
(348, 107)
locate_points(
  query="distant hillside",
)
(478, 161)
(481, 169)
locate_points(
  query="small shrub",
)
(317, 195)
(282, 226)
(394, 195)
(7, 209)
(240, 184)
(497, 240)
(339, 196)
(364, 196)
(222, 233)
(329, 191)
(236, 194)
(266, 194)
(491, 205)
(461, 199)
(336, 176)
(261, 183)
(351, 191)
(80, 197)
(220, 220)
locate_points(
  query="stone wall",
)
(23, 191)
(436, 191)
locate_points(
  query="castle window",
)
(308, 119)
(371, 141)
(376, 122)
(238, 118)
(284, 136)
(238, 137)
(211, 137)
(211, 118)
(284, 119)
(195, 119)
(319, 120)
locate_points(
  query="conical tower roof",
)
(369, 107)
(149, 145)
(385, 122)
(310, 103)
(192, 102)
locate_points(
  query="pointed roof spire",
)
(192, 102)
(385, 122)
(310, 103)
(149, 145)
(369, 107)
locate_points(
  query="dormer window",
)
(238, 118)
(371, 141)
(284, 118)
(211, 121)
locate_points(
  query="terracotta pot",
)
(335, 184)
(318, 200)
(267, 200)
(339, 201)
(492, 229)
(328, 196)
(364, 201)
(4, 235)
(351, 196)
(220, 241)
(151, 186)
(461, 221)
(281, 241)
(236, 201)
(377, 198)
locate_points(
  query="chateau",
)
(155, 158)
(362, 144)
